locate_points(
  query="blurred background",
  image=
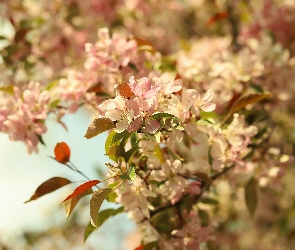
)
(42, 224)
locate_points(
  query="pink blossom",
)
(25, 115)
(192, 234)
(143, 88)
(134, 196)
(192, 98)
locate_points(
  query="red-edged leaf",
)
(48, 187)
(82, 188)
(62, 152)
(124, 90)
(69, 205)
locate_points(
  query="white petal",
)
(208, 107)
(121, 126)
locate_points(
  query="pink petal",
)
(144, 84)
(28, 96)
(133, 105)
(135, 125)
(152, 92)
(151, 126)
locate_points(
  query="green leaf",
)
(174, 155)
(108, 143)
(114, 185)
(54, 103)
(209, 201)
(101, 218)
(52, 84)
(205, 115)
(132, 175)
(88, 230)
(8, 89)
(128, 155)
(95, 203)
(41, 140)
(99, 126)
(133, 140)
(159, 153)
(210, 158)
(112, 195)
(161, 115)
(205, 220)
(115, 152)
(119, 136)
(251, 196)
(126, 176)
(203, 122)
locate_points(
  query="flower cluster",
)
(23, 115)
(192, 125)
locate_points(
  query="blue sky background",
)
(21, 174)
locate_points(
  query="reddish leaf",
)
(62, 152)
(99, 126)
(177, 77)
(217, 17)
(48, 187)
(144, 45)
(243, 101)
(124, 90)
(82, 188)
(20, 35)
(95, 88)
(141, 247)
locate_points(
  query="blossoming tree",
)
(196, 98)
